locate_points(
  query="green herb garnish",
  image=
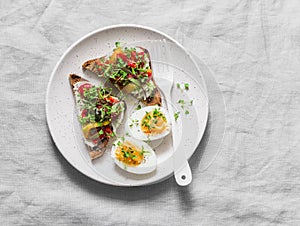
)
(112, 134)
(181, 102)
(134, 122)
(176, 116)
(186, 86)
(138, 107)
(144, 151)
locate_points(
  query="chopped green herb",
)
(181, 102)
(148, 139)
(178, 85)
(117, 44)
(186, 112)
(176, 115)
(134, 122)
(144, 151)
(138, 107)
(101, 132)
(191, 102)
(186, 86)
(112, 134)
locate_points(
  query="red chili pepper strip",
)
(84, 113)
(149, 72)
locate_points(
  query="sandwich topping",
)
(97, 109)
(129, 69)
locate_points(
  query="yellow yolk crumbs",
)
(154, 122)
(129, 154)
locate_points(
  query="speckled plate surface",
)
(66, 131)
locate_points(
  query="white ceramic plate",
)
(65, 129)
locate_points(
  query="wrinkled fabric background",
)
(253, 49)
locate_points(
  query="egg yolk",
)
(129, 154)
(154, 122)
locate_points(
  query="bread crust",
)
(73, 78)
(90, 65)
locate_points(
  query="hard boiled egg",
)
(133, 156)
(149, 123)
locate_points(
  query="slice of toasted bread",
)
(93, 66)
(74, 79)
(99, 150)
(90, 65)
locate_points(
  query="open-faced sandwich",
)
(129, 69)
(99, 113)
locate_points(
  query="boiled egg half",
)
(133, 156)
(149, 123)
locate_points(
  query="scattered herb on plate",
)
(186, 86)
(176, 116)
(138, 107)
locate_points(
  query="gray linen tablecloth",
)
(253, 49)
